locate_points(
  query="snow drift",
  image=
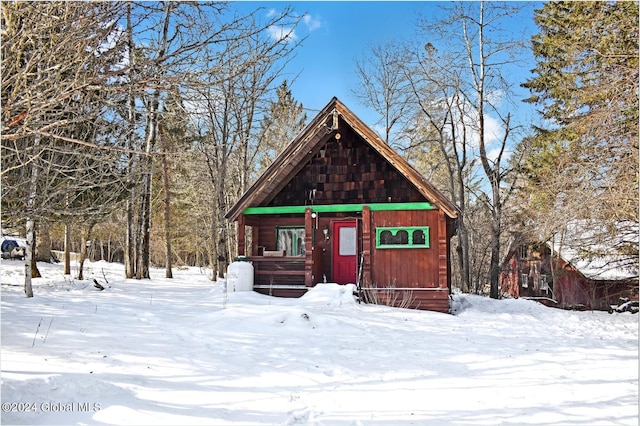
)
(184, 351)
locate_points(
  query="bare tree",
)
(418, 87)
(83, 88)
(201, 52)
(173, 140)
(56, 59)
(441, 110)
(383, 87)
(474, 29)
(131, 136)
(164, 41)
(228, 105)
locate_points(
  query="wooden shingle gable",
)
(427, 189)
(308, 142)
(286, 165)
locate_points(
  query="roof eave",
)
(252, 195)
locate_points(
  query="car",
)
(12, 250)
(625, 305)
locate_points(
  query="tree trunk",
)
(67, 249)
(144, 222)
(167, 215)
(462, 250)
(492, 171)
(463, 232)
(35, 272)
(103, 255)
(30, 223)
(144, 213)
(494, 271)
(496, 228)
(146, 235)
(43, 248)
(221, 246)
(83, 251)
(144, 251)
(215, 231)
(129, 245)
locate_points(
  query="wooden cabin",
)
(339, 205)
(569, 281)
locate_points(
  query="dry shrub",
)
(389, 296)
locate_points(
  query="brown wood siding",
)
(406, 268)
(345, 171)
(418, 275)
(571, 289)
(264, 237)
(367, 247)
(443, 252)
(432, 300)
(278, 271)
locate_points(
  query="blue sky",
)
(338, 32)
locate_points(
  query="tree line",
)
(129, 129)
(133, 125)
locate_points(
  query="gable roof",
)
(597, 253)
(311, 138)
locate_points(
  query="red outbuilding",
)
(577, 271)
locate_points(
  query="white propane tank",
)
(240, 275)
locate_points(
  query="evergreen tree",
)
(586, 82)
(283, 121)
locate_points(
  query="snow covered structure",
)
(576, 270)
(339, 205)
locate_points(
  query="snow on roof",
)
(597, 252)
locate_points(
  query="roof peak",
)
(319, 129)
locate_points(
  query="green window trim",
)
(339, 208)
(402, 237)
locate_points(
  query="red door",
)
(345, 252)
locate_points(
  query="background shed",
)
(580, 272)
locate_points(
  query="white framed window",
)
(525, 280)
(291, 240)
(524, 252)
(544, 284)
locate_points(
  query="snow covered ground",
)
(182, 352)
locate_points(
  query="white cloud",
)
(278, 33)
(288, 34)
(495, 97)
(311, 22)
(493, 137)
(493, 130)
